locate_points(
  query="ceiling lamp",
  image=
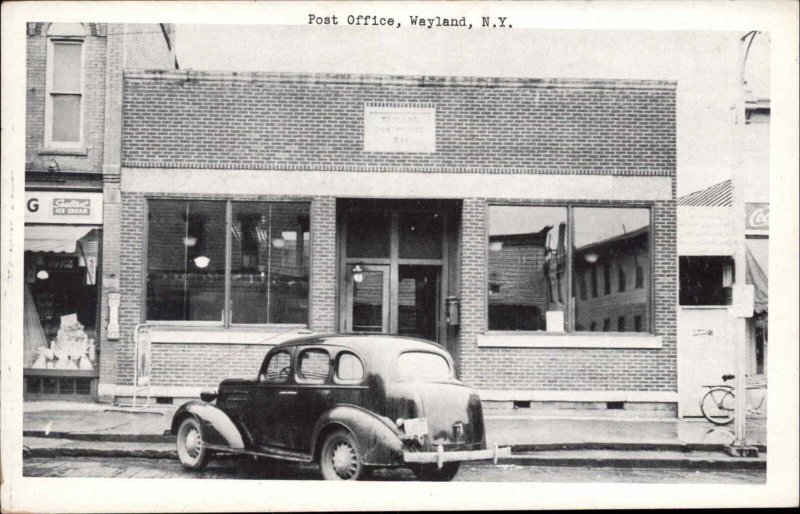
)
(201, 261)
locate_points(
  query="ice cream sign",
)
(63, 207)
(72, 206)
(757, 216)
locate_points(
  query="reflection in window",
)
(269, 262)
(185, 260)
(612, 237)
(527, 257)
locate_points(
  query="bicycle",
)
(719, 403)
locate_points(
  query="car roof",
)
(366, 342)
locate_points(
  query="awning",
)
(53, 238)
(757, 269)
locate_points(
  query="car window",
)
(314, 366)
(349, 368)
(277, 370)
(423, 367)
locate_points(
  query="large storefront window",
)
(527, 267)
(61, 292)
(185, 260)
(612, 238)
(264, 250)
(573, 269)
(269, 263)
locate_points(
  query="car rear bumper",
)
(440, 456)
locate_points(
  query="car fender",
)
(379, 442)
(216, 427)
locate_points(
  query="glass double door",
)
(392, 272)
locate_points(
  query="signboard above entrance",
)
(64, 207)
(399, 129)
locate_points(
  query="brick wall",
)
(567, 369)
(258, 121)
(316, 122)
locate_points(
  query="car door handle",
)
(287, 392)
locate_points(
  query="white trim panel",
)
(169, 391)
(485, 394)
(503, 395)
(396, 184)
(211, 336)
(568, 341)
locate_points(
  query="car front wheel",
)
(432, 473)
(340, 458)
(191, 451)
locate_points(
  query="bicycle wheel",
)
(719, 406)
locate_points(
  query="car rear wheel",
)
(340, 458)
(432, 473)
(192, 453)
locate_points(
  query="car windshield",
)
(423, 367)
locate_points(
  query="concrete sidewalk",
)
(580, 438)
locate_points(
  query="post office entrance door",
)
(368, 299)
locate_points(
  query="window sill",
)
(564, 340)
(162, 334)
(77, 152)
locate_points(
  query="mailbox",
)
(452, 308)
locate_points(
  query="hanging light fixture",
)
(202, 261)
(358, 274)
(591, 258)
(42, 275)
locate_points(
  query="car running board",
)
(273, 453)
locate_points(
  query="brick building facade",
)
(72, 164)
(404, 191)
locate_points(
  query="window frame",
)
(299, 379)
(569, 321)
(49, 144)
(345, 381)
(226, 322)
(268, 360)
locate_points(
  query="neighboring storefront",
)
(706, 334)
(63, 241)
(526, 225)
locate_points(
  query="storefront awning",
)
(757, 270)
(53, 238)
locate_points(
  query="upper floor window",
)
(64, 86)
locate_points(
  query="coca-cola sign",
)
(757, 216)
(72, 206)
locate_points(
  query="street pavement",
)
(579, 439)
(235, 468)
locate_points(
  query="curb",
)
(516, 448)
(622, 446)
(632, 462)
(519, 460)
(101, 438)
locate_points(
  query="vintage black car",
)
(352, 403)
